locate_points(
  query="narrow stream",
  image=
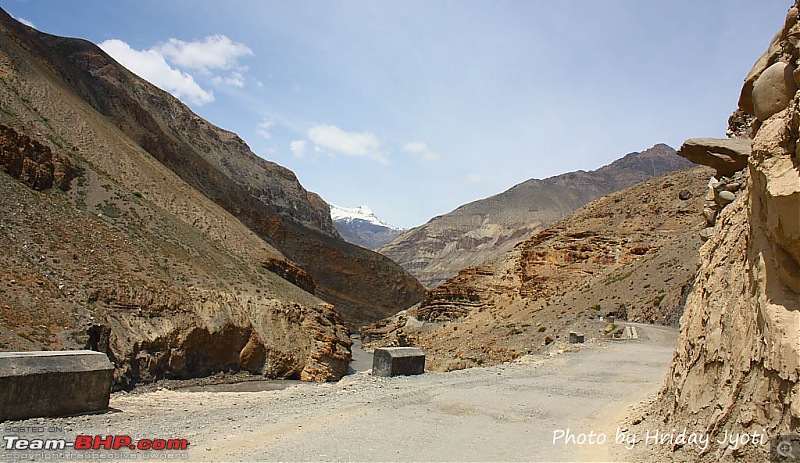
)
(362, 360)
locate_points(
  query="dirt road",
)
(510, 412)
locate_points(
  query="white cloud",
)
(213, 52)
(166, 64)
(422, 151)
(475, 178)
(359, 144)
(150, 65)
(298, 148)
(235, 79)
(263, 128)
(26, 22)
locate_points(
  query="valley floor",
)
(509, 412)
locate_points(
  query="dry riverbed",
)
(509, 412)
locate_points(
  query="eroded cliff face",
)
(737, 365)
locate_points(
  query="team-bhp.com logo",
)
(84, 442)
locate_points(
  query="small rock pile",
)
(721, 193)
(729, 158)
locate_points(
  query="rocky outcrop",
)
(291, 273)
(737, 365)
(264, 196)
(184, 342)
(479, 231)
(32, 163)
(726, 155)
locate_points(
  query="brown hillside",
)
(266, 197)
(126, 256)
(629, 255)
(488, 228)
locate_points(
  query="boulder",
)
(395, 361)
(726, 155)
(769, 56)
(53, 383)
(773, 90)
(725, 197)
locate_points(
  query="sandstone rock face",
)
(33, 163)
(479, 231)
(737, 366)
(727, 155)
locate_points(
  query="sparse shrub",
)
(110, 210)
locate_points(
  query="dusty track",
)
(503, 413)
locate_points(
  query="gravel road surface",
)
(509, 412)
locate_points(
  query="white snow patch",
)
(349, 214)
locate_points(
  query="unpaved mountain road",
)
(507, 412)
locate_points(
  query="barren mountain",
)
(630, 255)
(483, 229)
(265, 197)
(131, 225)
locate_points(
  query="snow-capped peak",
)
(349, 214)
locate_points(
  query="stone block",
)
(53, 383)
(576, 338)
(394, 361)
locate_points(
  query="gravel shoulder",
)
(509, 412)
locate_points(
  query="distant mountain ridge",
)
(478, 231)
(360, 226)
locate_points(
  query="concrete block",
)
(394, 361)
(576, 338)
(53, 383)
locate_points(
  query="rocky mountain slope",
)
(630, 255)
(362, 227)
(483, 229)
(131, 225)
(265, 197)
(737, 365)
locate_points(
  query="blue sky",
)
(416, 107)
